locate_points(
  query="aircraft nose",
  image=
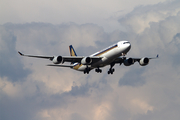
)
(129, 46)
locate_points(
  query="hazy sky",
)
(29, 90)
(101, 12)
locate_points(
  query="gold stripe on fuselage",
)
(76, 67)
(99, 54)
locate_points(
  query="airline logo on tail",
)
(72, 51)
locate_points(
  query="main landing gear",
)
(98, 70)
(87, 70)
(111, 70)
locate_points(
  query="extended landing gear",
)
(98, 70)
(111, 70)
(87, 70)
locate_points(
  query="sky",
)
(30, 90)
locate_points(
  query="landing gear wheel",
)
(86, 70)
(111, 71)
(98, 70)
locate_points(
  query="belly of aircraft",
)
(107, 59)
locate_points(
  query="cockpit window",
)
(125, 42)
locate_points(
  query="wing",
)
(74, 59)
(129, 61)
(45, 57)
(62, 59)
(138, 59)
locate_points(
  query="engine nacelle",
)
(128, 62)
(57, 59)
(86, 61)
(144, 61)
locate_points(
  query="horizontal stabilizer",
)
(71, 66)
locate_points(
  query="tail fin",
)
(72, 51)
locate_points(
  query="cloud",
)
(11, 66)
(79, 11)
(133, 78)
(141, 17)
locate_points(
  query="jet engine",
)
(86, 61)
(144, 61)
(128, 62)
(57, 59)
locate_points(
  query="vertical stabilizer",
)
(72, 51)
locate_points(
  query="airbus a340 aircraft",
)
(115, 54)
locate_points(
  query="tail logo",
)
(72, 51)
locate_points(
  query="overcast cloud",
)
(104, 13)
(29, 90)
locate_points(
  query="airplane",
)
(114, 54)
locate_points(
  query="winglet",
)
(20, 53)
(155, 57)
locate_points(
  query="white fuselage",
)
(108, 55)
